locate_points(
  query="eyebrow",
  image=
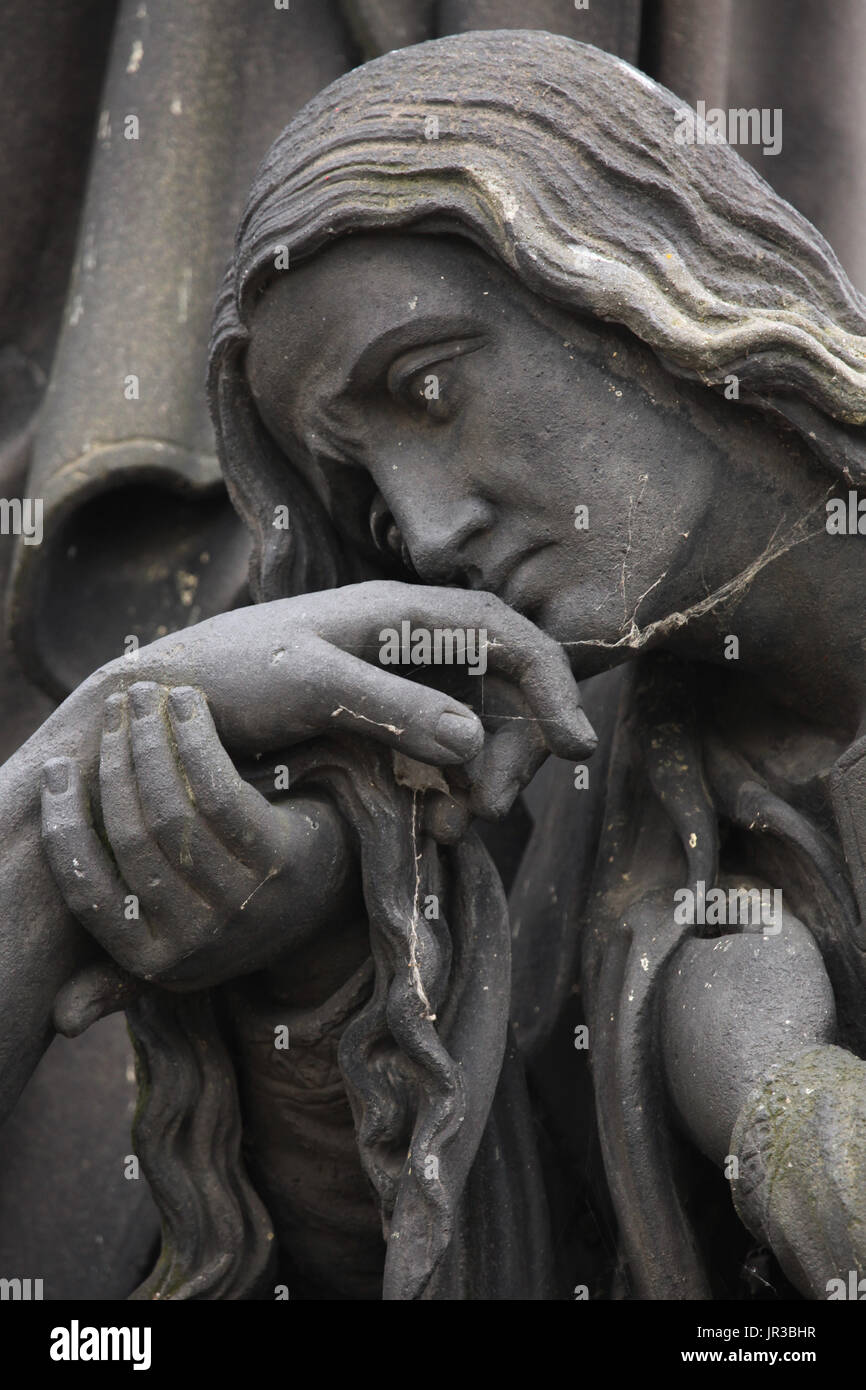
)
(377, 356)
(331, 410)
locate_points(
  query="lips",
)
(519, 591)
(505, 578)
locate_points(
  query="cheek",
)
(621, 536)
(621, 564)
(516, 414)
(617, 534)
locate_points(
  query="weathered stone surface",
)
(516, 380)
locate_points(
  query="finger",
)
(514, 749)
(82, 869)
(293, 656)
(166, 897)
(346, 692)
(508, 762)
(489, 784)
(445, 817)
(239, 815)
(539, 667)
(511, 644)
(91, 994)
(169, 812)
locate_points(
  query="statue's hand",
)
(282, 672)
(194, 884)
(273, 675)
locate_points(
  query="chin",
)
(590, 645)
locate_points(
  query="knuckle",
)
(216, 804)
(129, 842)
(171, 823)
(69, 861)
(56, 832)
(207, 776)
(113, 708)
(80, 902)
(155, 963)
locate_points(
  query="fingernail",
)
(460, 733)
(112, 715)
(183, 700)
(57, 775)
(144, 699)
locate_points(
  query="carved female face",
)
(518, 448)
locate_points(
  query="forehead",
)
(314, 321)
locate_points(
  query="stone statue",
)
(511, 389)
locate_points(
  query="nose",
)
(439, 535)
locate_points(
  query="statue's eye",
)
(431, 389)
(424, 386)
(426, 378)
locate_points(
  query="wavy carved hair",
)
(562, 162)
